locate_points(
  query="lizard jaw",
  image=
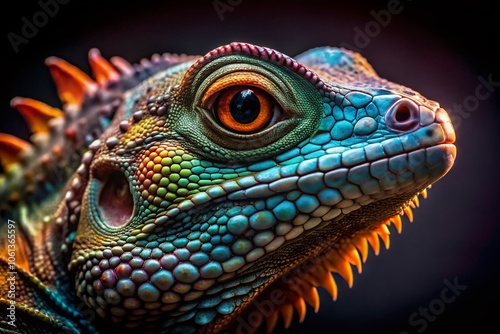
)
(338, 255)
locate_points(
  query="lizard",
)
(207, 193)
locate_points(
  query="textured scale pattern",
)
(183, 193)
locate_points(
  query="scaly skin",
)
(213, 192)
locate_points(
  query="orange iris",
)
(244, 109)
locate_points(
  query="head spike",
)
(71, 83)
(102, 69)
(122, 65)
(37, 114)
(10, 148)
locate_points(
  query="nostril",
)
(403, 115)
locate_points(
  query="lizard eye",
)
(245, 109)
(115, 200)
(241, 104)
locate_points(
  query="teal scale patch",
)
(163, 279)
(285, 211)
(311, 183)
(241, 247)
(384, 102)
(205, 316)
(262, 220)
(350, 113)
(186, 272)
(233, 264)
(358, 99)
(237, 224)
(199, 259)
(338, 113)
(211, 270)
(307, 203)
(329, 196)
(226, 307)
(148, 292)
(372, 110)
(221, 253)
(365, 126)
(342, 130)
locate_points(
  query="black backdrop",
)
(444, 50)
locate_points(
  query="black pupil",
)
(245, 106)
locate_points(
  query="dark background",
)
(439, 49)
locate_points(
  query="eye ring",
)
(244, 109)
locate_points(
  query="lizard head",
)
(220, 178)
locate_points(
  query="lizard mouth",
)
(328, 253)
